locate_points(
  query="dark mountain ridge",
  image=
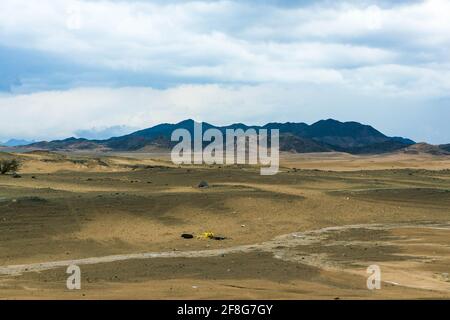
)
(321, 136)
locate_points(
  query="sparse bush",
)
(9, 166)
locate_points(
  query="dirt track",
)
(286, 248)
(299, 234)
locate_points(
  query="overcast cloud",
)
(71, 67)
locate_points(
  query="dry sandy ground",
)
(303, 233)
(346, 162)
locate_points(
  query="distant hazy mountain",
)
(104, 133)
(322, 136)
(15, 143)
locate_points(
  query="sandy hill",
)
(422, 147)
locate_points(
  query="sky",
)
(97, 69)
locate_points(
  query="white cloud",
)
(231, 41)
(224, 61)
(60, 114)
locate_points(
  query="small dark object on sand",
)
(15, 175)
(187, 236)
(219, 238)
(203, 184)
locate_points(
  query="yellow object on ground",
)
(206, 235)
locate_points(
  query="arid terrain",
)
(309, 232)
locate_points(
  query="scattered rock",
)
(203, 184)
(187, 236)
(32, 199)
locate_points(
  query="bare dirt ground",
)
(310, 231)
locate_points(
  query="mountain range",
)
(322, 136)
(16, 142)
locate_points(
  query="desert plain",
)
(308, 232)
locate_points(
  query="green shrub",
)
(9, 166)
